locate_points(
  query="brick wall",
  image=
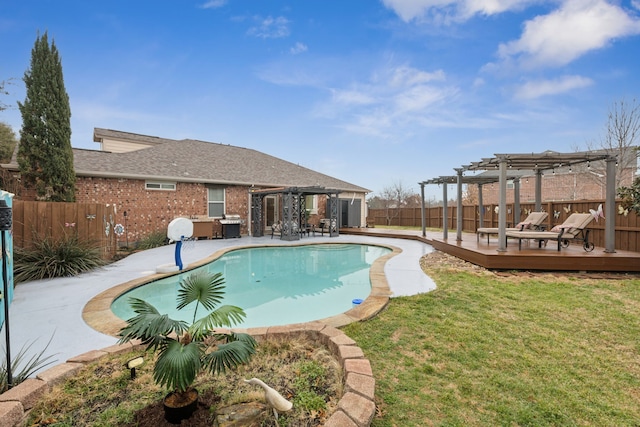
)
(152, 210)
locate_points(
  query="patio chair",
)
(276, 228)
(572, 229)
(324, 226)
(532, 222)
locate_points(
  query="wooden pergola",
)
(535, 163)
(292, 209)
(479, 180)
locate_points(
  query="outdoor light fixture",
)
(5, 225)
(133, 364)
(126, 229)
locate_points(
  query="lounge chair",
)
(572, 229)
(532, 222)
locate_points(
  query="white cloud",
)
(418, 98)
(447, 10)
(478, 82)
(392, 101)
(406, 76)
(352, 97)
(538, 88)
(214, 4)
(298, 48)
(270, 28)
(564, 35)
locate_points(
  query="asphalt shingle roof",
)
(199, 161)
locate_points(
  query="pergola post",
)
(539, 190)
(610, 208)
(256, 215)
(480, 206)
(502, 208)
(333, 217)
(422, 216)
(459, 205)
(445, 213)
(516, 201)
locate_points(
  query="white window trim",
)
(314, 210)
(223, 202)
(161, 186)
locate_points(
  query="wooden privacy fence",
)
(91, 222)
(627, 224)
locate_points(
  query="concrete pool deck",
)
(53, 308)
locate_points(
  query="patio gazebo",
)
(292, 209)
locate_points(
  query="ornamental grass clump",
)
(55, 257)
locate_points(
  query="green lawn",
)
(484, 350)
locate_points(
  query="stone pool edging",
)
(356, 407)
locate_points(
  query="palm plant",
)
(184, 350)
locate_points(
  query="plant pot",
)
(179, 406)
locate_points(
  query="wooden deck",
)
(479, 252)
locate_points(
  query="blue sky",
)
(373, 92)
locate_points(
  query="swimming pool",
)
(275, 285)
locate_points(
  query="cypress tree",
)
(45, 157)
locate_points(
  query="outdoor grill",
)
(230, 226)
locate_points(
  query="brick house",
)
(153, 180)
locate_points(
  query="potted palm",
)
(183, 349)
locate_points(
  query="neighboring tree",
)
(4, 91)
(413, 201)
(631, 196)
(45, 156)
(393, 198)
(8, 142)
(622, 137)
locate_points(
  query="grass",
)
(102, 394)
(485, 350)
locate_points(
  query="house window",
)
(160, 185)
(216, 202)
(510, 184)
(311, 204)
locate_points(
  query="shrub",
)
(21, 368)
(156, 239)
(49, 257)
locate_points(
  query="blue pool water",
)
(274, 285)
